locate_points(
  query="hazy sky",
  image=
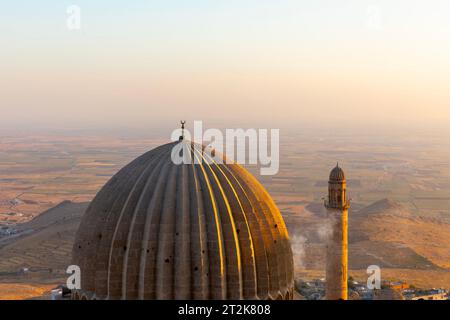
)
(150, 63)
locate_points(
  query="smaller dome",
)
(337, 174)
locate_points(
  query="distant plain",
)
(399, 219)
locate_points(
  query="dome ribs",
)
(279, 248)
(130, 273)
(164, 273)
(101, 261)
(84, 249)
(90, 233)
(241, 229)
(259, 250)
(199, 239)
(216, 254)
(120, 234)
(284, 251)
(269, 232)
(202, 230)
(232, 250)
(149, 243)
(182, 256)
(244, 237)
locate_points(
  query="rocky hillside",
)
(41, 247)
(383, 233)
(390, 224)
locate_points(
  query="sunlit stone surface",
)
(158, 230)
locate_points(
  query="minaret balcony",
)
(340, 206)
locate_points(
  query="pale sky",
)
(258, 62)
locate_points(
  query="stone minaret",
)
(337, 246)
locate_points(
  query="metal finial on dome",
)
(183, 122)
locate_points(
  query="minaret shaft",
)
(337, 243)
(337, 255)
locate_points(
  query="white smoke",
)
(298, 249)
(325, 230)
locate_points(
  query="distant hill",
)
(390, 223)
(44, 244)
(384, 233)
(384, 207)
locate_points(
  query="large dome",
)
(158, 230)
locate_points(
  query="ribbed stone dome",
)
(337, 174)
(158, 230)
